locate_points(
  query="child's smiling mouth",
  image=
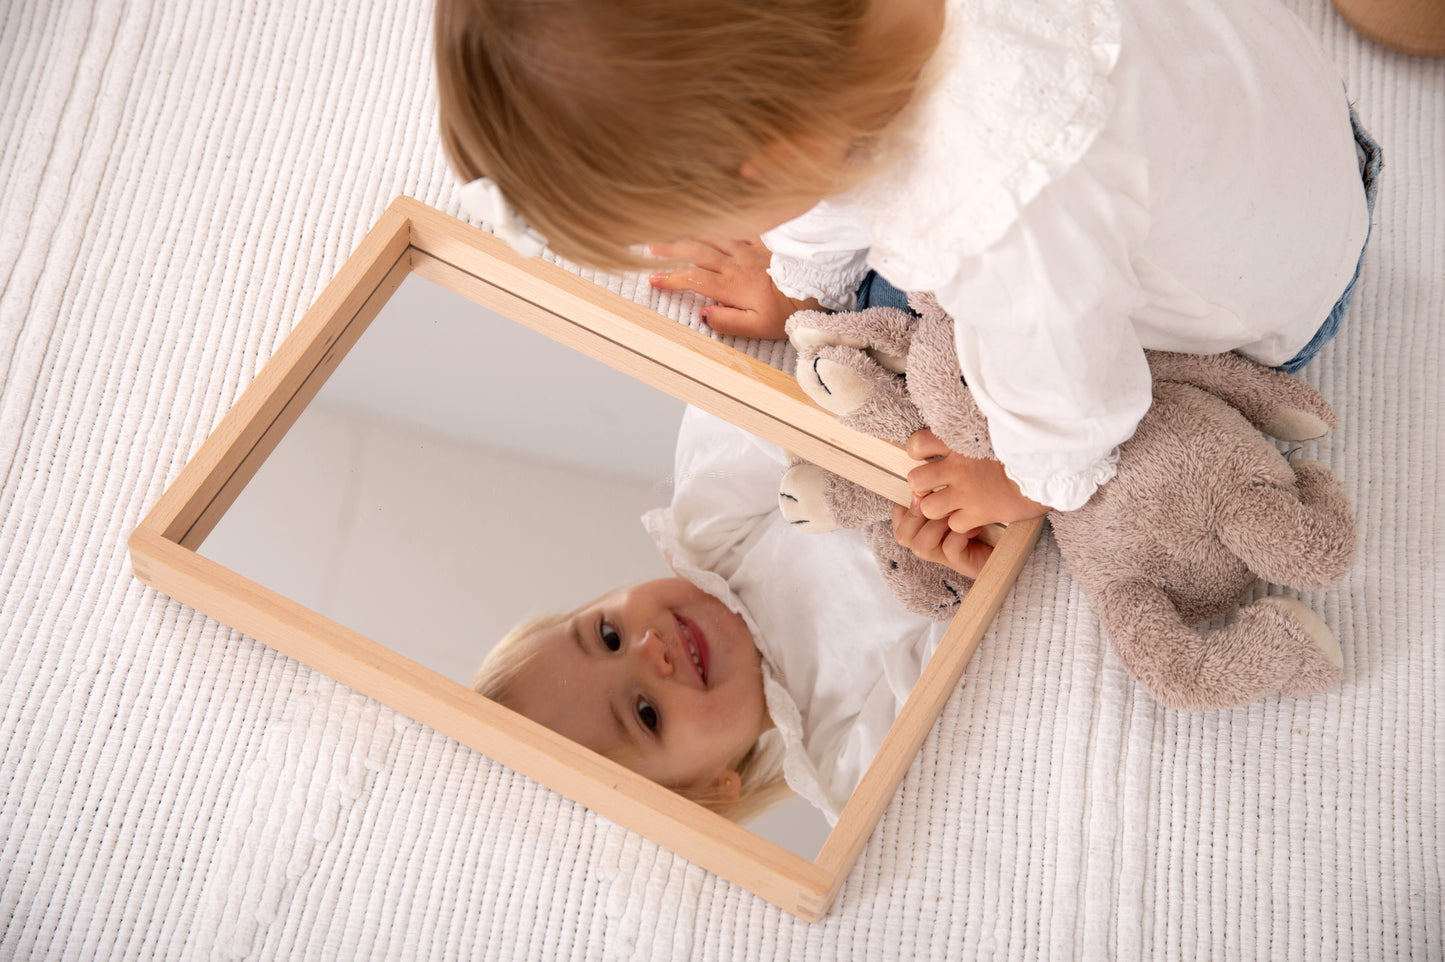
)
(695, 643)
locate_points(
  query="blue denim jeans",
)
(1369, 156)
(874, 291)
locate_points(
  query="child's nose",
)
(653, 649)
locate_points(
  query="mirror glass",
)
(458, 473)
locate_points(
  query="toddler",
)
(771, 651)
(1075, 181)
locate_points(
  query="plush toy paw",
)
(1295, 424)
(851, 364)
(803, 499)
(809, 339)
(1319, 657)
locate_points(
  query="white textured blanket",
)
(177, 182)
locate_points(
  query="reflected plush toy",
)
(1202, 507)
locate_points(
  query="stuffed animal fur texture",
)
(1202, 507)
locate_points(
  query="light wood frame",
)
(412, 237)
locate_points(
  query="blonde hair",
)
(611, 123)
(760, 770)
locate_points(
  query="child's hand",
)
(735, 274)
(968, 492)
(934, 541)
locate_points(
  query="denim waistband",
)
(1367, 152)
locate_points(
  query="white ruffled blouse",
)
(840, 655)
(1087, 179)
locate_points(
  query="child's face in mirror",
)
(661, 677)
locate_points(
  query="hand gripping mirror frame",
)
(412, 237)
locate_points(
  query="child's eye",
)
(647, 714)
(609, 637)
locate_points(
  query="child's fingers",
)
(694, 251)
(733, 273)
(750, 252)
(905, 525)
(932, 541)
(704, 282)
(714, 277)
(742, 323)
(943, 503)
(959, 523)
(918, 534)
(965, 555)
(944, 487)
(924, 444)
(927, 477)
(683, 279)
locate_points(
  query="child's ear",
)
(763, 164)
(777, 161)
(728, 786)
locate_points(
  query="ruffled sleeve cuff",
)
(832, 281)
(821, 254)
(1068, 491)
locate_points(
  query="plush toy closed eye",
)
(1203, 505)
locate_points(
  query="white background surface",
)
(178, 181)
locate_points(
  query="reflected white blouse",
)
(840, 655)
(1084, 180)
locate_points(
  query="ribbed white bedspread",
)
(179, 179)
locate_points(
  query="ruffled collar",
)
(1019, 91)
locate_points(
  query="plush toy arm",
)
(932, 590)
(1276, 403)
(936, 384)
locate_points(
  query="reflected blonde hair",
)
(611, 123)
(760, 770)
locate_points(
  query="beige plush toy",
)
(1202, 507)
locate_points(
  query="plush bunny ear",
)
(482, 199)
(884, 332)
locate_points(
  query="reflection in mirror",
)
(457, 474)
